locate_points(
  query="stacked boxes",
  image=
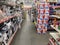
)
(43, 17)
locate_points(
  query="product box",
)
(39, 21)
(46, 11)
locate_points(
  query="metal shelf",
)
(6, 19)
(55, 28)
(11, 38)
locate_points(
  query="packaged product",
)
(38, 31)
(39, 21)
(42, 11)
(45, 21)
(46, 11)
(41, 17)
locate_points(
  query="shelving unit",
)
(55, 36)
(15, 19)
(11, 38)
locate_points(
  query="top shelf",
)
(6, 19)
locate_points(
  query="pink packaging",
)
(41, 11)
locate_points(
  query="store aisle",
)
(28, 36)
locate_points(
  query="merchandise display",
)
(11, 19)
(42, 21)
(55, 21)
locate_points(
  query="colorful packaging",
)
(45, 22)
(46, 4)
(39, 21)
(39, 26)
(38, 31)
(41, 11)
(46, 11)
(43, 17)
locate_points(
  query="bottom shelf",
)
(11, 38)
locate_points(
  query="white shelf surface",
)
(55, 28)
(55, 36)
(55, 16)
